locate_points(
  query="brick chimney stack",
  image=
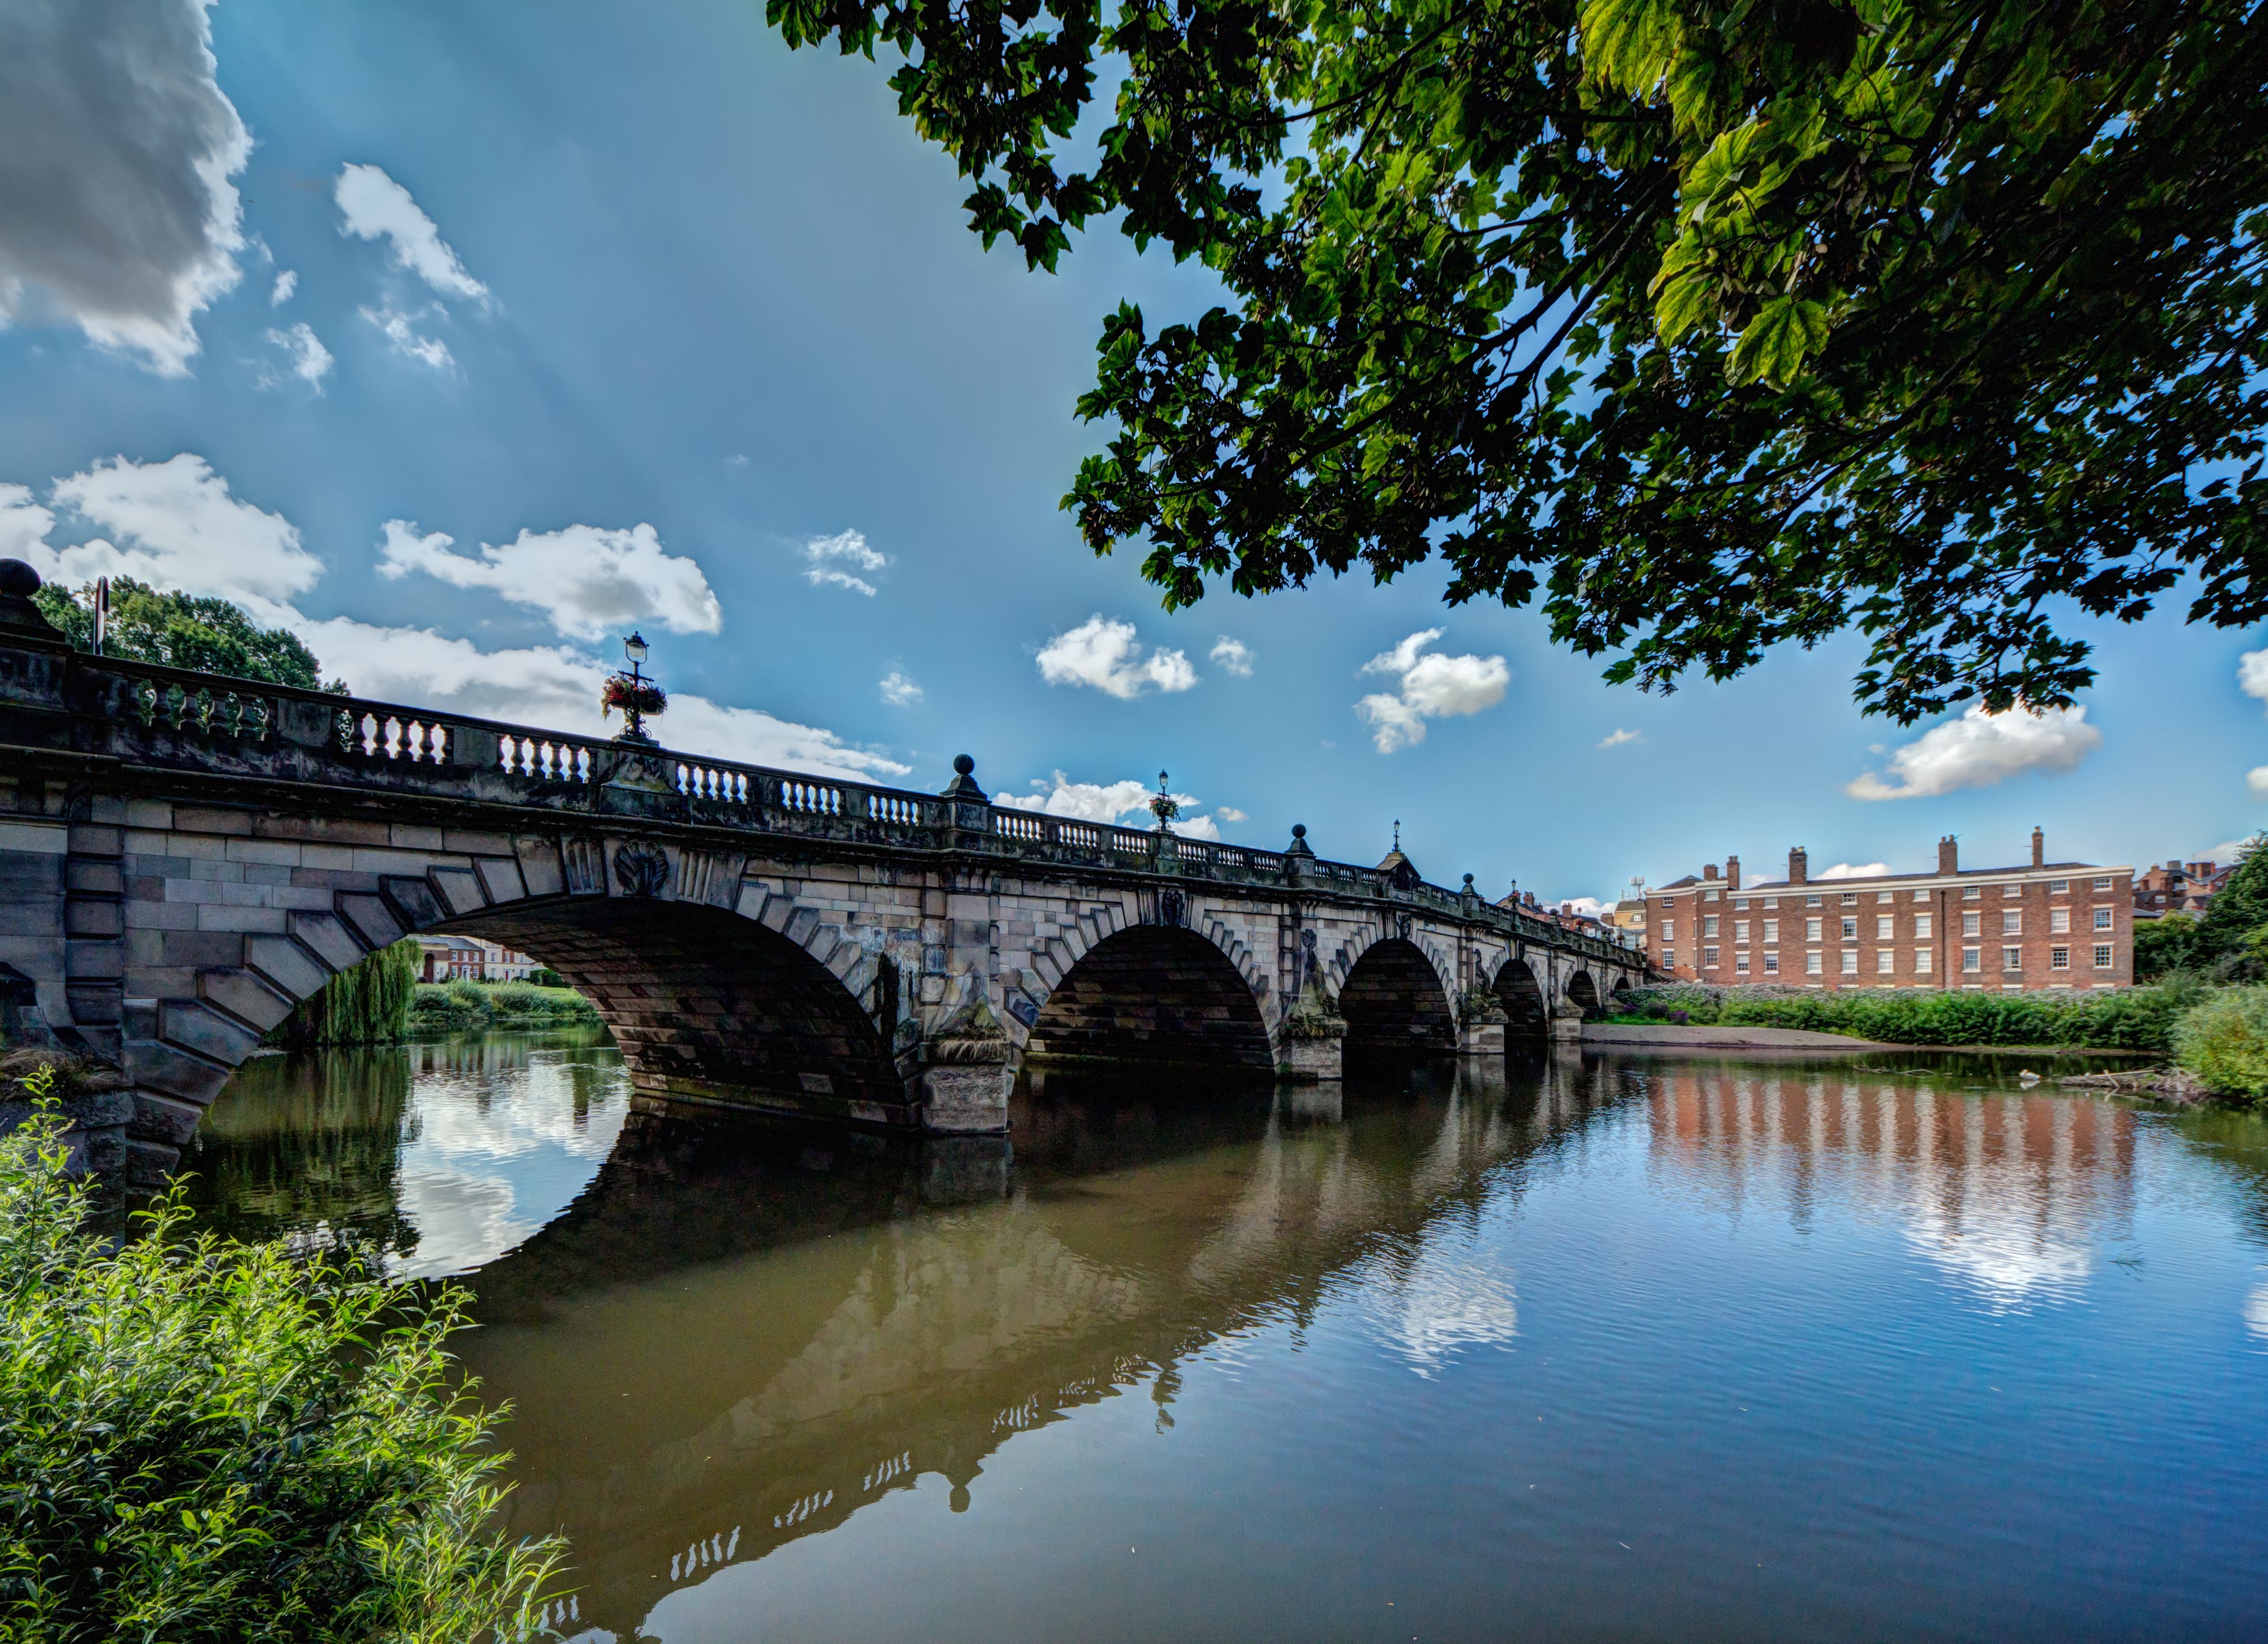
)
(2039, 849)
(1709, 871)
(1799, 865)
(1949, 855)
(1733, 872)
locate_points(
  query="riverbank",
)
(479, 1007)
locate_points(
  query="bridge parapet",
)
(153, 717)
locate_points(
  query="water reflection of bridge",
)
(837, 1331)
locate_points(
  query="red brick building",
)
(2048, 925)
(2178, 886)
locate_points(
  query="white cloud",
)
(899, 691)
(826, 555)
(24, 525)
(286, 283)
(1616, 739)
(1590, 907)
(2256, 780)
(1121, 804)
(372, 205)
(556, 689)
(587, 581)
(174, 525)
(116, 147)
(2252, 673)
(1979, 749)
(1433, 687)
(401, 330)
(1105, 654)
(1853, 870)
(1230, 814)
(307, 358)
(1233, 656)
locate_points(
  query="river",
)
(1583, 1347)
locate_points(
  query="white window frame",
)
(1972, 962)
(1850, 930)
(1772, 964)
(1921, 926)
(1772, 930)
(2102, 920)
(2103, 959)
(1811, 928)
(2012, 958)
(2059, 958)
(1885, 926)
(1850, 962)
(1885, 961)
(2058, 921)
(2012, 922)
(1812, 965)
(1921, 962)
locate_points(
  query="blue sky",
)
(695, 338)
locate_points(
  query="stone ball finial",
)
(962, 764)
(1299, 830)
(18, 578)
(1468, 881)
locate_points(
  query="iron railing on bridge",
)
(170, 717)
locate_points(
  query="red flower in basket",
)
(638, 697)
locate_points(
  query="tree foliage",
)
(367, 1003)
(213, 1443)
(1716, 325)
(2163, 946)
(177, 630)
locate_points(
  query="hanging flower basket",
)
(640, 696)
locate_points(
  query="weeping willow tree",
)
(365, 1004)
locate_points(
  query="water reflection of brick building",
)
(2012, 1195)
(2049, 925)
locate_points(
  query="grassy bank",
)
(473, 1006)
(2128, 1019)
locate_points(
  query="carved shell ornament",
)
(641, 869)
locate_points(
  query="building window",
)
(1886, 896)
(1971, 892)
(2102, 955)
(1772, 964)
(1669, 930)
(2102, 884)
(1883, 924)
(1850, 962)
(1772, 930)
(1811, 902)
(2012, 958)
(2059, 888)
(2059, 920)
(1811, 929)
(1709, 959)
(1885, 963)
(1921, 924)
(1739, 930)
(1972, 925)
(1850, 898)
(1708, 896)
(2012, 890)
(1771, 902)
(2012, 924)
(1666, 902)
(2059, 958)
(1850, 930)
(1972, 959)
(1669, 959)
(1709, 925)
(1921, 896)
(1740, 963)
(2102, 918)
(1811, 962)
(1921, 962)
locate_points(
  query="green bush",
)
(463, 1005)
(2224, 1041)
(2123, 1018)
(209, 1443)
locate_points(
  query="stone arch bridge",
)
(183, 858)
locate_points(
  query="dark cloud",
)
(116, 148)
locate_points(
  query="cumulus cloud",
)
(2252, 673)
(286, 283)
(174, 525)
(401, 330)
(116, 147)
(1979, 749)
(1105, 655)
(588, 581)
(1616, 739)
(304, 354)
(899, 691)
(825, 557)
(1853, 870)
(1589, 907)
(373, 206)
(2256, 780)
(1432, 686)
(1233, 656)
(1121, 804)
(1230, 814)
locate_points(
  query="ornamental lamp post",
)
(1163, 804)
(637, 696)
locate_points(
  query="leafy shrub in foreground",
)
(2125, 1018)
(2224, 1041)
(202, 1442)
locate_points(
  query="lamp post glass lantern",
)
(1164, 806)
(637, 696)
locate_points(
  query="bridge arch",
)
(1151, 995)
(1393, 999)
(1583, 993)
(1527, 1007)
